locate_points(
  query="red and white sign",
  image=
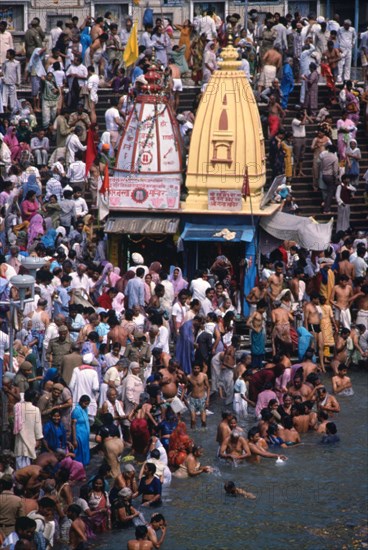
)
(225, 199)
(137, 192)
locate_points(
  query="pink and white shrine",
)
(148, 172)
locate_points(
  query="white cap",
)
(137, 258)
(88, 358)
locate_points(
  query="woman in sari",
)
(177, 279)
(35, 229)
(29, 206)
(99, 504)
(12, 142)
(287, 82)
(197, 50)
(54, 435)
(346, 130)
(352, 104)
(209, 61)
(185, 344)
(184, 39)
(81, 430)
(311, 95)
(140, 418)
(154, 270)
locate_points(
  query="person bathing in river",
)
(235, 447)
(234, 491)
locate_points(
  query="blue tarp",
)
(205, 233)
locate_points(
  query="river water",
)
(316, 500)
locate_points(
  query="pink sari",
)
(35, 228)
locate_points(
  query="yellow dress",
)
(288, 159)
(326, 325)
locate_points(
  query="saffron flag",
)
(91, 151)
(102, 199)
(131, 49)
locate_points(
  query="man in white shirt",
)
(199, 286)
(6, 41)
(179, 310)
(77, 171)
(85, 382)
(81, 208)
(125, 33)
(207, 25)
(80, 281)
(72, 145)
(346, 37)
(145, 39)
(55, 33)
(113, 122)
(207, 305)
(77, 70)
(162, 339)
(299, 141)
(359, 262)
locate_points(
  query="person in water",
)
(341, 384)
(331, 434)
(233, 490)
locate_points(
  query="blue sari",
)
(82, 430)
(55, 436)
(287, 85)
(185, 347)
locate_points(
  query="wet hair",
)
(229, 486)
(140, 532)
(151, 468)
(252, 432)
(331, 428)
(75, 510)
(287, 422)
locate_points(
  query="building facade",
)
(18, 13)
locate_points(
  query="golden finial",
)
(229, 56)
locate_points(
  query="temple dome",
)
(227, 149)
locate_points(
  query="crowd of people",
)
(124, 363)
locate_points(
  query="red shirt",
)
(105, 301)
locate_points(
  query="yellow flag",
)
(131, 49)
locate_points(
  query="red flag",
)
(245, 187)
(106, 182)
(91, 151)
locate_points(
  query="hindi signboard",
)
(225, 199)
(139, 192)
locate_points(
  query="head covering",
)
(133, 365)
(320, 19)
(50, 374)
(88, 358)
(125, 492)
(61, 231)
(58, 386)
(35, 228)
(180, 283)
(63, 328)
(137, 258)
(128, 468)
(138, 334)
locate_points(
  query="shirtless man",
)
(120, 333)
(297, 285)
(281, 329)
(345, 267)
(326, 402)
(235, 447)
(256, 323)
(141, 541)
(30, 478)
(276, 281)
(199, 396)
(289, 434)
(362, 306)
(257, 293)
(342, 296)
(307, 364)
(301, 421)
(272, 61)
(341, 382)
(299, 388)
(169, 381)
(156, 524)
(340, 351)
(223, 429)
(275, 115)
(256, 450)
(312, 322)
(160, 358)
